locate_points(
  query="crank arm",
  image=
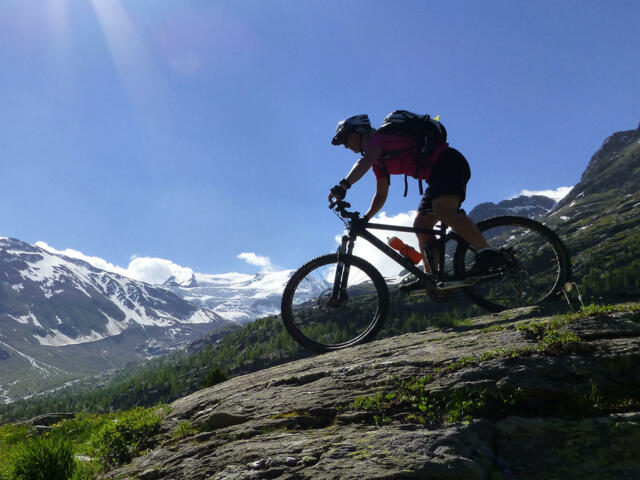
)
(454, 284)
(467, 282)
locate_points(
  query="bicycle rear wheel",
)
(538, 264)
(318, 321)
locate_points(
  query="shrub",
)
(44, 459)
(125, 437)
(184, 429)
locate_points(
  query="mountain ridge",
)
(607, 167)
(532, 206)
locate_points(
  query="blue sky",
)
(196, 131)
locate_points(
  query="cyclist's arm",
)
(358, 170)
(377, 202)
(362, 166)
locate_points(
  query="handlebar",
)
(340, 207)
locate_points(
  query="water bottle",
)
(406, 250)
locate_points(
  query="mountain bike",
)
(339, 300)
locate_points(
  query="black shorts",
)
(448, 177)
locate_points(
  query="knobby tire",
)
(314, 324)
(542, 260)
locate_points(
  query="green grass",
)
(101, 441)
(412, 400)
(185, 429)
(41, 458)
(555, 335)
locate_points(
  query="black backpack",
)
(428, 132)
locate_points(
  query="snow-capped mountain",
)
(235, 296)
(61, 301)
(533, 206)
(55, 310)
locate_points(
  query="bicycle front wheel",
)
(538, 264)
(318, 320)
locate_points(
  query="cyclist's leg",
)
(429, 246)
(446, 208)
(448, 182)
(427, 220)
(448, 185)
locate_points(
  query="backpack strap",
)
(430, 162)
(406, 186)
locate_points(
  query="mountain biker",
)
(447, 180)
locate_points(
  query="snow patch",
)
(557, 194)
(27, 319)
(21, 319)
(59, 339)
(114, 327)
(199, 316)
(49, 293)
(524, 209)
(234, 316)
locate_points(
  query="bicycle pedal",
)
(411, 287)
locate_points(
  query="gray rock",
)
(564, 411)
(48, 419)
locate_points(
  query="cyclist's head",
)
(358, 123)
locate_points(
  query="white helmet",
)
(357, 123)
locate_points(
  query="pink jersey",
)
(404, 162)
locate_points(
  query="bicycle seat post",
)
(442, 234)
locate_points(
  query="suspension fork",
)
(341, 279)
(442, 251)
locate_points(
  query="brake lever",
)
(339, 205)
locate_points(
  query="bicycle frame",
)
(356, 229)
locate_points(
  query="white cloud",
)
(257, 260)
(157, 270)
(95, 261)
(145, 269)
(152, 270)
(557, 194)
(384, 264)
